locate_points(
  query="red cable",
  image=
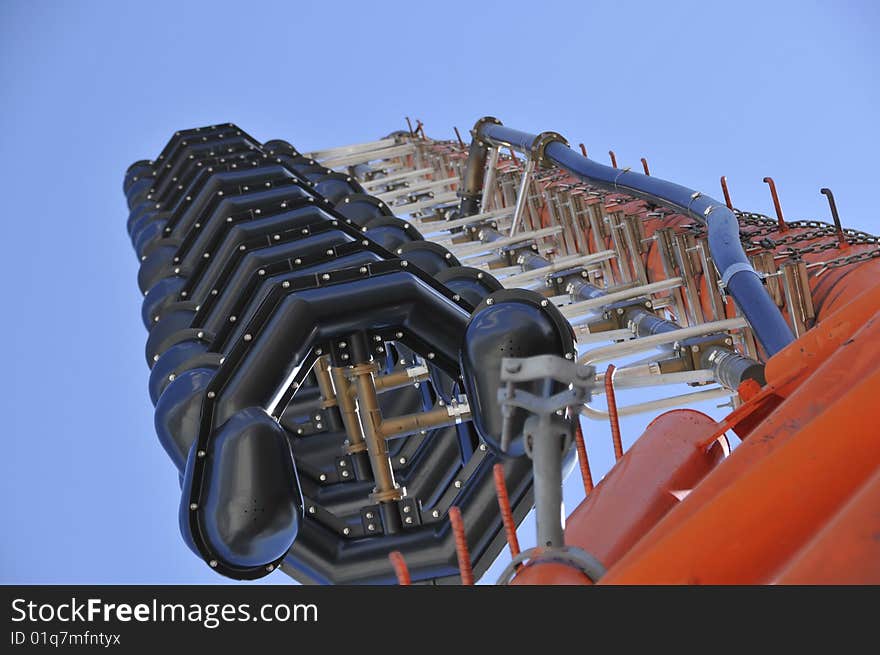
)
(461, 547)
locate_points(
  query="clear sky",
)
(746, 89)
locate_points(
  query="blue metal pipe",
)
(737, 273)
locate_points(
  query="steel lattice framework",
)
(369, 363)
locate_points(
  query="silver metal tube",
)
(489, 179)
(644, 343)
(522, 195)
(616, 296)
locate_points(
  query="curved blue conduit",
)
(741, 280)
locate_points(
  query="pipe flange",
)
(485, 120)
(539, 145)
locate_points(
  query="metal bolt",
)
(322, 477)
(193, 506)
(436, 514)
(345, 531)
(369, 515)
(312, 510)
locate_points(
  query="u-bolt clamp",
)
(547, 432)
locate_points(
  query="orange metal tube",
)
(755, 525)
(461, 547)
(726, 192)
(506, 513)
(638, 491)
(612, 412)
(645, 166)
(583, 462)
(830, 381)
(781, 221)
(400, 568)
(613, 158)
(636, 494)
(847, 550)
(816, 345)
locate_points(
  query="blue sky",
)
(746, 89)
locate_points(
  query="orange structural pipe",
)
(753, 526)
(400, 568)
(662, 466)
(847, 550)
(506, 512)
(830, 381)
(461, 547)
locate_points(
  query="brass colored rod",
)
(348, 411)
(386, 490)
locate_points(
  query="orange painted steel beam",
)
(847, 550)
(755, 525)
(636, 493)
